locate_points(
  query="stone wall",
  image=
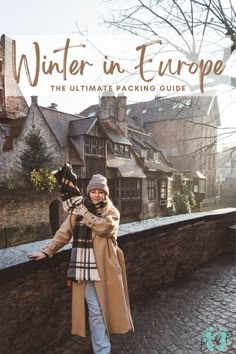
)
(34, 299)
(10, 159)
(25, 217)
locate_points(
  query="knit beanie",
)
(98, 182)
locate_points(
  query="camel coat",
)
(112, 290)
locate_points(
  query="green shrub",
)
(43, 180)
(183, 198)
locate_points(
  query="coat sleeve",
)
(106, 226)
(61, 237)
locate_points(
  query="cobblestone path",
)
(172, 320)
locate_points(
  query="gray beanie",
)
(98, 182)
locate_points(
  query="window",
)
(130, 188)
(86, 145)
(94, 146)
(94, 149)
(144, 153)
(101, 145)
(182, 103)
(202, 186)
(156, 156)
(163, 188)
(127, 151)
(151, 189)
(178, 105)
(116, 149)
(139, 189)
(91, 114)
(95, 165)
(121, 150)
(169, 189)
(195, 188)
(150, 154)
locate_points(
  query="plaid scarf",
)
(71, 196)
(82, 265)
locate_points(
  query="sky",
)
(52, 18)
(55, 20)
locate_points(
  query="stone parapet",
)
(35, 301)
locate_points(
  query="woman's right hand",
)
(36, 256)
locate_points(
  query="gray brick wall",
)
(25, 217)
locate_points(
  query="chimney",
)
(108, 106)
(121, 107)
(53, 106)
(113, 110)
(34, 99)
(122, 118)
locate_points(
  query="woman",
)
(98, 269)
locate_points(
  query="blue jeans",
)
(100, 341)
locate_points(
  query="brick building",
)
(139, 176)
(186, 129)
(135, 163)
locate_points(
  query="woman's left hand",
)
(36, 255)
(80, 210)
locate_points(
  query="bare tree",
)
(195, 18)
(200, 20)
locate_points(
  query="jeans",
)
(100, 341)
